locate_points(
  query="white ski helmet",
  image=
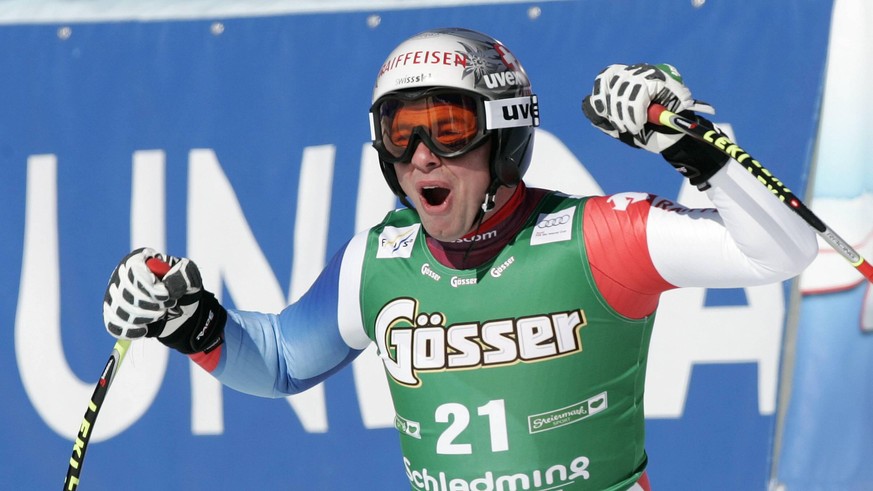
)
(475, 75)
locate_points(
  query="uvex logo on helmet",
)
(500, 79)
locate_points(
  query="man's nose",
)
(423, 158)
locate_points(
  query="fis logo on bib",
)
(397, 242)
(412, 342)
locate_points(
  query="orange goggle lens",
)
(450, 123)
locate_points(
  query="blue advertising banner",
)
(243, 143)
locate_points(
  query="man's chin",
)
(442, 232)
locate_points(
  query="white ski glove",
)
(618, 106)
(621, 97)
(175, 309)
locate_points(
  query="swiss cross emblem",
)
(505, 56)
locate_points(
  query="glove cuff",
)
(694, 159)
(203, 331)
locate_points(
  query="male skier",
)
(513, 322)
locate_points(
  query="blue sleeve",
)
(274, 355)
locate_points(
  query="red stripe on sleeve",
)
(615, 238)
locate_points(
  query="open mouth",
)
(434, 195)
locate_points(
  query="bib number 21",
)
(458, 418)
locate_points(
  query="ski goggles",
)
(449, 122)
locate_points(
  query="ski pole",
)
(658, 114)
(80, 445)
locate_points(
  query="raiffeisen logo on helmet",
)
(421, 57)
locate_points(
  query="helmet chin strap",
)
(487, 205)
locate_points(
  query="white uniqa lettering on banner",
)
(53, 388)
(749, 333)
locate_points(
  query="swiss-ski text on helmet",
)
(413, 79)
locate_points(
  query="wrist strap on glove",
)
(695, 159)
(201, 332)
